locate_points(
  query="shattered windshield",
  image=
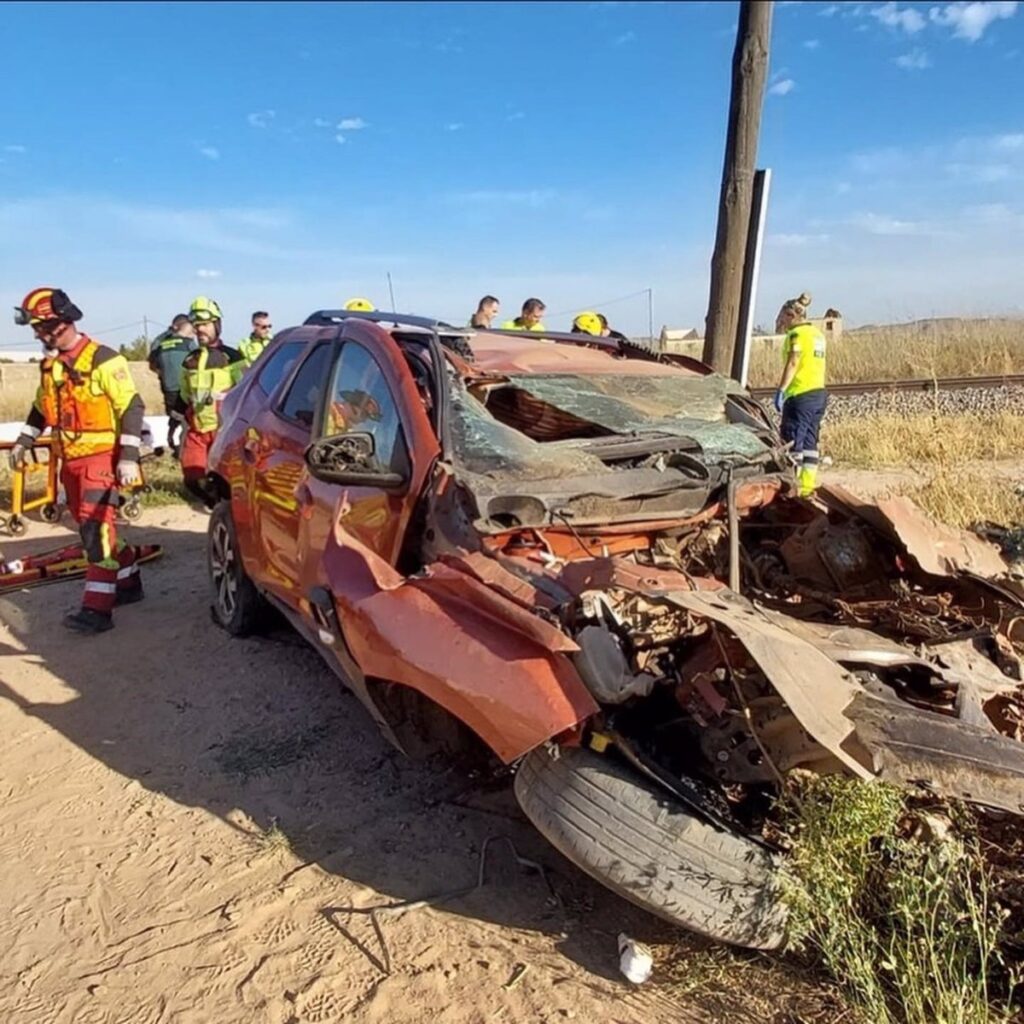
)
(489, 448)
(684, 406)
(505, 436)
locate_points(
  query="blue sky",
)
(288, 156)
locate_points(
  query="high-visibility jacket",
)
(809, 345)
(88, 398)
(518, 325)
(166, 356)
(207, 375)
(251, 348)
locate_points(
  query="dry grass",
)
(877, 441)
(18, 389)
(954, 452)
(930, 348)
(965, 498)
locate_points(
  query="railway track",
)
(927, 384)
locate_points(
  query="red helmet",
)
(43, 305)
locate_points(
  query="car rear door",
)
(273, 449)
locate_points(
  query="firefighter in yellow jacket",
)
(88, 399)
(207, 374)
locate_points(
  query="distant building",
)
(679, 340)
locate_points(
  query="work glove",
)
(780, 400)
(128, 474)
(17, 456)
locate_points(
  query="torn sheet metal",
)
(815, 688)
(480, 655)
(943, 754)
(938, 549)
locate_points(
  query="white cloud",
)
(915, 60)
(880, 224)
(970, 20)
(979, 174)
(1010, 142)
(827, 12)
(351, 124)
(454, 126)
(14, 148)
(207, 273)
(261, 119)
(907, 19)
(340, 139)
(517, 116)
(210, 152)
(812, 44)
(626, 37)
(782, 88)
(322, 122)
(792, 241)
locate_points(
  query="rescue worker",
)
(259, 338)
(486, 311)
(587, 323)
(529, 319)
(207, 375)
(801, 396)
(88, 399)
(360, 306)
(608, 332)
(165, 358)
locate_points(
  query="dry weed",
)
(931, 348)
(911, 441)
(963, 498)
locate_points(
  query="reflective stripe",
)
(130, 440)
(100, 497)
(130, 570)
(32, 432)
(101, 588)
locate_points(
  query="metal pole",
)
(650, 317)
(145, 328)
(749, 71)
(391, 292)
(751, 274)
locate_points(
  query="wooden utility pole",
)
(749, 70)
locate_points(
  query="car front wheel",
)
(640, 843)
(236, 604)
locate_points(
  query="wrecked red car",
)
(591, 559)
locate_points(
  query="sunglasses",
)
(201, 317)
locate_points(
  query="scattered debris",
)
(635, 959)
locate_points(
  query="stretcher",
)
(66, 563)
(36, 485)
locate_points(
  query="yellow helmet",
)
(203, 310)
(360, 306)
(587, 323)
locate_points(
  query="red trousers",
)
(194, 452)
(90, 484)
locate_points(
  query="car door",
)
(365, 397)
(274, 446)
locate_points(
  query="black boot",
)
(85, 620)
(130, 594)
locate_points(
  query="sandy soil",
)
(193, 828)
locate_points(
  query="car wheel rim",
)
(224, 570)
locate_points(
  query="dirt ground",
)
(194, 828)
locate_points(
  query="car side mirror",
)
(350, 459)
